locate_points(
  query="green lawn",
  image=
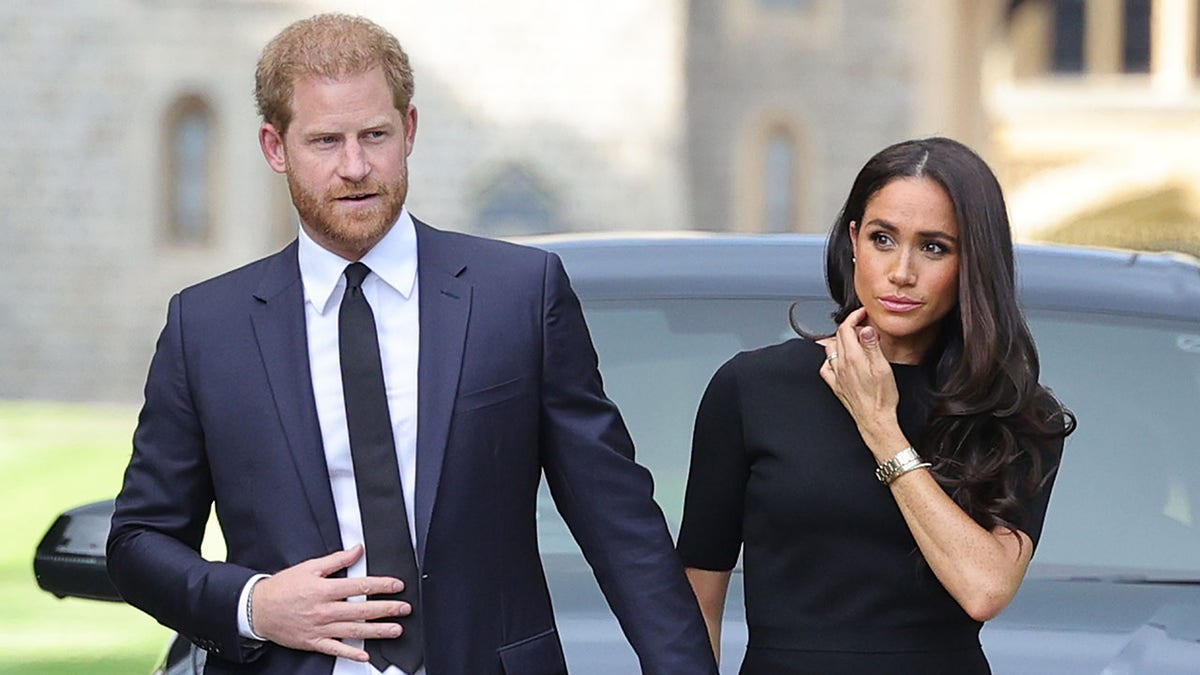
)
(54, 457)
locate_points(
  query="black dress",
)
(833, 577)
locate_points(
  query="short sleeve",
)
(710, 536)
(1037, 500)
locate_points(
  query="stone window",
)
(1135, 54)
(779, 181)
(1070, 26)
(1103, 37)
(772, 174)
(188, 189)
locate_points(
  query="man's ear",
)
(410, 129)
(271, 141)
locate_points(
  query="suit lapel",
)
(445, 306)
(279, 327)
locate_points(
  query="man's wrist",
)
(246, 609)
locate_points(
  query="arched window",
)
(779, 180)
(190, 137)
(515, 202)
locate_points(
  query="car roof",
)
(691, 265)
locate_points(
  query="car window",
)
(656, 357)
(1128, 492)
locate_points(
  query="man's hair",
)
(330, 46)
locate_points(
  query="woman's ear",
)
(853, 241)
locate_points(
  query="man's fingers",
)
(339, 648)
(362, 630)
(340, 589)
(301, 608)
(338, 560)
(366, 611)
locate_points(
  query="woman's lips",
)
(898, 304)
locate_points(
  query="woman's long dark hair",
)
(990, 416)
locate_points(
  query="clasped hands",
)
(302, 608)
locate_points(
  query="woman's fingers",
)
(846, 337)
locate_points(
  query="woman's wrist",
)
(884, 440)
(905, 461)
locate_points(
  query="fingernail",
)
(397, 586)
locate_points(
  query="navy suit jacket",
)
(508, 389)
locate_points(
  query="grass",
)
(54, 457)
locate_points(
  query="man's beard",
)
(358, 229)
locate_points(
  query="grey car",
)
(1115, 583)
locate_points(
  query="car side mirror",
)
(70, 561)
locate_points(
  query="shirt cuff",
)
(243, 605)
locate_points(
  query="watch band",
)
(904, 461)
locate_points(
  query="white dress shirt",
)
(392, 291)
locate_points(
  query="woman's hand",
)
(981, 569)
(861, 377)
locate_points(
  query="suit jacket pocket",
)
(492, 395)
(538, 655)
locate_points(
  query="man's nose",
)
(354, 165)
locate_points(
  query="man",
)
(271, 383)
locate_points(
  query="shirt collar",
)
(393, 259)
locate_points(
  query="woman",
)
(887, 482)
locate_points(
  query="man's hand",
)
(300, 607)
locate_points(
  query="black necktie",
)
(388, 544)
